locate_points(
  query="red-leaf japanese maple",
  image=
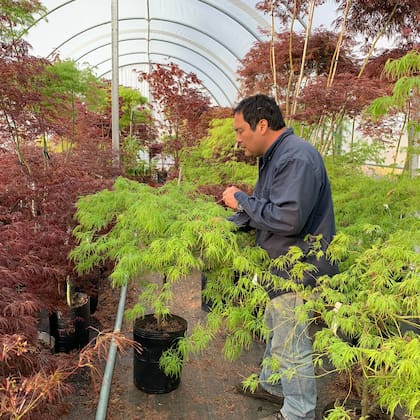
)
(179, 98)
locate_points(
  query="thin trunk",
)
(372, 48)
(73, 126)
(365, 389)
(317, 139)
(334, 60)
(291, 73)
(45, 151)
(302, 67)
(273, 56)
(335, 122)
(131, 123)
(325, 145)
(412, 154)
(414, 115)
(397, 148)
(353, 129)
(15, 140)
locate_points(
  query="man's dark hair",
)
(260, 107)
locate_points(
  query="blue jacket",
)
(292, 198)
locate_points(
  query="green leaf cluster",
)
(214, 160)
(174, 231)
(369, 310)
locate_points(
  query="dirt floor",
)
(207, 389)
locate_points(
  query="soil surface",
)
(207, 390)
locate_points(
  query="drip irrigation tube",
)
(110, 363)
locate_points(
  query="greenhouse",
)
(209, 209)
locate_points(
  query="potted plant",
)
(70, 328)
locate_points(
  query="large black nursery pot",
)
(148, 376)
(71, 331)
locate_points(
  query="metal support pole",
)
(115, 85)
(110, 363)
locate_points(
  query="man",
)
(291, 202)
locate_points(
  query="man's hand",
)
(229, 198)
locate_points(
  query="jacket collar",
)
(269, 152)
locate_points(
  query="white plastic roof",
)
(206, 37)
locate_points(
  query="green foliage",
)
(338, 413)
(134, 166)
(362, 152)
(365, 309)
(214, 160)
(366, 206)
(131, 113)
(404, 98)
(16, 16)
(68, 84)
(171, 363)
(173, 231)
(75, 82)
(407, 65)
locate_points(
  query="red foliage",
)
(38, 192)
(216, 190)
(255, 70)
(180, 99)
(348, 95)
(20, 96)
(36, 221)
(369, 17)
(375, 67)
(284, 10)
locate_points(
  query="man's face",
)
(248, 139)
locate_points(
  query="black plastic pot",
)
(148, 377)
(94, 298)
(93, 293)
(71, 331)
(413, 325)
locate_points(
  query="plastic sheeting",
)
(206, 37)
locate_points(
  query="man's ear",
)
(263, 126)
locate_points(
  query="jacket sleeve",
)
(241, 219)
(286, 205)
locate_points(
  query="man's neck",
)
(273, 135)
